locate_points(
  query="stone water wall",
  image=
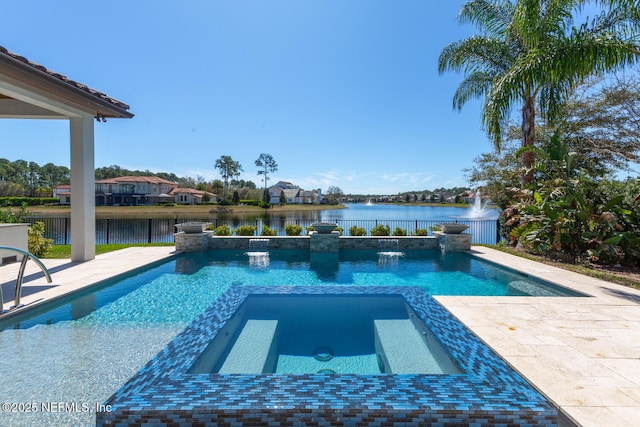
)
(322, 242)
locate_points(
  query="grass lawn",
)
(621, 276)
(64, 251)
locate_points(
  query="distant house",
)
(63, 192)
(190, 196)
(137, 191)
(469, 196)
(133, 191)
(286, 192)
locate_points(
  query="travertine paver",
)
(582, 353)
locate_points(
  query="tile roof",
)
(147, 179)
(63, 78)
(192, 191)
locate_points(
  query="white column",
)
(83, 193)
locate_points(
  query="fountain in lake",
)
(258, 253)
(479, 210)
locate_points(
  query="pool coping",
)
(488, 392)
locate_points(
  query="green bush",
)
(420, 232)
(246, 230)
(266, 231)
(339, 230)
(399, 232)
(293, 230)
(38, 244)
(380, 230)
(14, 217)
(357, 231)
(310, 229)
(28, 201)
(222, 230)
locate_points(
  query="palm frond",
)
(474, 86)
(490, 17)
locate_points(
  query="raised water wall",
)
(321, 242)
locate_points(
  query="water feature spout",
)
(389, 252)
(258, 253)
(258, 245)
(389, 245)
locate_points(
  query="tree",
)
(229, 169)
(529, 53)
(217, 186)
(600, 124)
(333, 194)
(268, 165)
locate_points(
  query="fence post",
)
(66, 230)
(149, 230)
(497, 231)
(107, 232)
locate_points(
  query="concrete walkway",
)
(582, 353)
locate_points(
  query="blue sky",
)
(339, 92)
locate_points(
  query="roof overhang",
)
(29, 90)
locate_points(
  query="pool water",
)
(179, 290)
(86, 347)
(347, 334)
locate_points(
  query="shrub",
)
(293, 230)
(380, 230)
(310, 229)
(266, 231)
(222, 230)
(246, 230)
(38, 244)
(420, 232)
(399, 232)
(339, 230)
(28, 201)
(357, 231)
(14, 217)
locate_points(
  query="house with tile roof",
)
(190, 196)
(133, 191)
(137, 191)
(286, 192)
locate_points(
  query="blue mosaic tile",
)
(488, 393)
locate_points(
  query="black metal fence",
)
(161, 230)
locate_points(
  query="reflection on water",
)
(325, 264)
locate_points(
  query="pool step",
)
(251, 351)
(402, 349)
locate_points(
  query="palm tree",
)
(530, 54)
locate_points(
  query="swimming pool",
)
(86, 347)
(480, 390)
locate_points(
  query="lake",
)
(362, 211)
(362, 215)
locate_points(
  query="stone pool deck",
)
(581, 353)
